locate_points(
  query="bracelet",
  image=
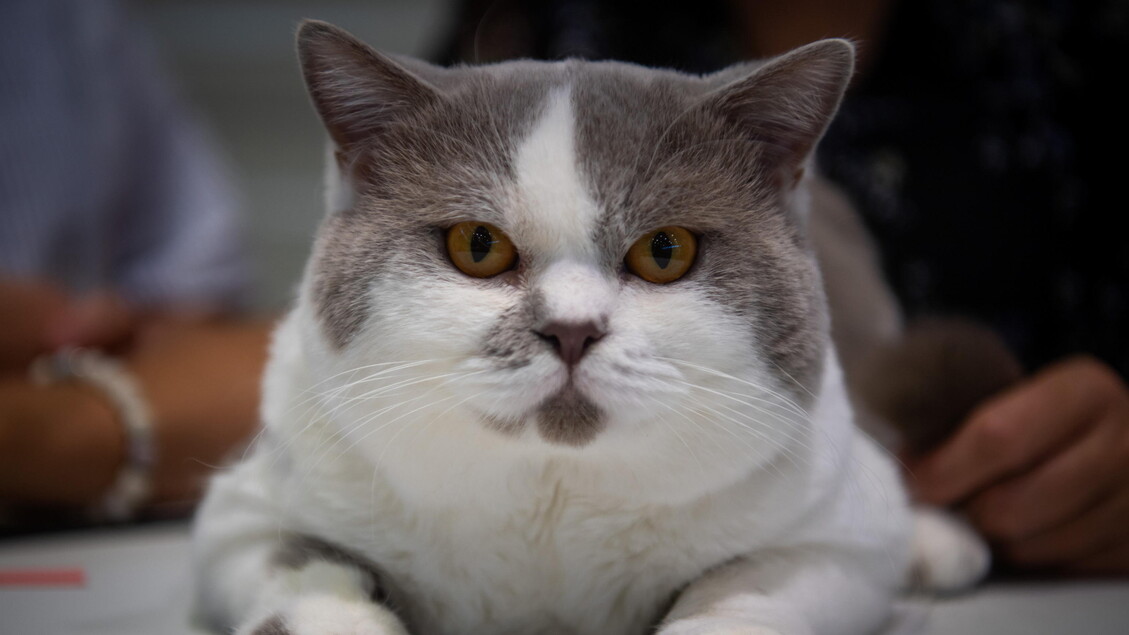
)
(134, 482)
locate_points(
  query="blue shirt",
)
(105, 179)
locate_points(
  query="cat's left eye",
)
(663, 255)
(480, 249)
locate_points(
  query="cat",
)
(561, 363)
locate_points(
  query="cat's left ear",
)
(787, 103)
(356, 91)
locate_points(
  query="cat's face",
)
(571, 253)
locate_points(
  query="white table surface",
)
(138, 582)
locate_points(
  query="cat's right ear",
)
(356, 91)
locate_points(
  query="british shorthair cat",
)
(561, 363)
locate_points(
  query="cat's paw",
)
(718, 626)
(327, 615)
(948, 556)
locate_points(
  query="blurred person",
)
(127, 366)
(976, 143)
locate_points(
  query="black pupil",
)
(662, 248)
(480, 243)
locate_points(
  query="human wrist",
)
(93, 446)
(108, 395)
(60, 445)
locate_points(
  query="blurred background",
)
(234, 62)
(981, 141)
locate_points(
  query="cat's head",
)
(573, 253)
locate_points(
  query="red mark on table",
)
(40, 578)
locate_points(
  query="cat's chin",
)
(551, 404)
(568, 417)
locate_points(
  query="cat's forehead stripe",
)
(560, 210)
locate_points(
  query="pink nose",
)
(571, 339)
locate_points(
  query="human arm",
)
(123, 193)
(26, 305)
(62, 444)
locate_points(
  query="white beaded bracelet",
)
(133, 484)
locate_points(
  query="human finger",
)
(1059, 489)
(25, 307)
(100, 320)
(1018, 429)
(1114, 560)
(1079, 544)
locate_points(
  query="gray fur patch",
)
(273, 625)
(511, 344)
(299, 551)
(446, 162)
(507, 427)
(569, 418)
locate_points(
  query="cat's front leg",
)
(258, 576)
(320, 598)
(323, 613)
(799, 591)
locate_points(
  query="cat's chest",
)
(581, 568)
(545, 556)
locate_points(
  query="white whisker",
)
(340, 436)
(717, 373)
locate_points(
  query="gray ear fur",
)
(787, 102)
(356, 91)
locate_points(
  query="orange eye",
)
(480, 249)
(663, 255)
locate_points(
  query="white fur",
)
(948, 555)
(339, 193)
(381, 449)
(323, 599)
(555, 208)
(562, 540)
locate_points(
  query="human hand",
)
(26, 306)
(37, 317)
(102, 319)
(59, 444)
(1042, 470)
(63, 444)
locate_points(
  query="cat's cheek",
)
(684, 324)
(442, 318)
(631, 389)
(673, 352)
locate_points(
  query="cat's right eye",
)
(480, 249)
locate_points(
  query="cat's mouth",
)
(567, 417)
